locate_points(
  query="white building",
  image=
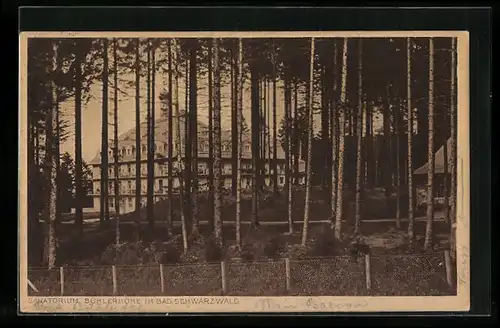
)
(127, 165)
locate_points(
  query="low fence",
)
(402, 275)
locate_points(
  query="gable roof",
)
(438, 161)
(161, 138)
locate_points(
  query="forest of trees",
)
(405, 86)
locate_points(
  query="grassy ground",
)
(397, 270)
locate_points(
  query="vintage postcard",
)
(244, 172)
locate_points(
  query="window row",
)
(162, 148)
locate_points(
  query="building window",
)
(282, 180)
(247, 148)
(129, 185)
(201, 168)
(130, 202)
(160, 185)
(133, 150)
(111, 203)
(144, 149)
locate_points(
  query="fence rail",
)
(429, 274)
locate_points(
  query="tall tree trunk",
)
(255, 117)
(234, 126)
(193, 132)
(453, 146)
(334, 135)
(138, 147)
(217, 148)
(359, 133)
(210, 140)
(309, 147)
(57, 150)
(340, 174)
(37, 146)
(387, 172)
(170, 217)
(430, 162)
(288, 149)
(397, 129)
(187, 144)
(270, 174)
(446, 170)
(153, 133)
(295, 135)
(263, 130)
(369, 160)
(178, 144)
(50, 171)
(78, 139)
(104, 136)
(239, 124)
(116, 149)
(275, 141)
(324, 132)
(151, 145)
(411, 201)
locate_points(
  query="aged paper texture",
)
(244, 172)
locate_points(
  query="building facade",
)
(127, 166)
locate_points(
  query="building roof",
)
(438, 161)
(127, 139)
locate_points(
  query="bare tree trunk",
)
(104, 134)
(309, 147)
(151, 142)
(210, 140)
(234, 125)
(50, 171)
(445, 169)
(324, 132)
(57, 150)
(170, 217)
(263, 130)
(295, 135)
(137, 130)
(78, 141)
(116, 158)
(275, 141)
(359, 133)
(217, 148)
(411, 201)
(334, 136)
(340, 174)
(270, 173)
(453, 146)
(288, 150)
(255, 117)
(398, 165)
(178, 145)
(430, 168)
(193, 122)
(239, 124)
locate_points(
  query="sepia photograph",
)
(249, 172)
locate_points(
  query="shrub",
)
(171, 254)
(295, 251)
(135, 253)
(323, 243)
(273, 247)
(213, 253)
